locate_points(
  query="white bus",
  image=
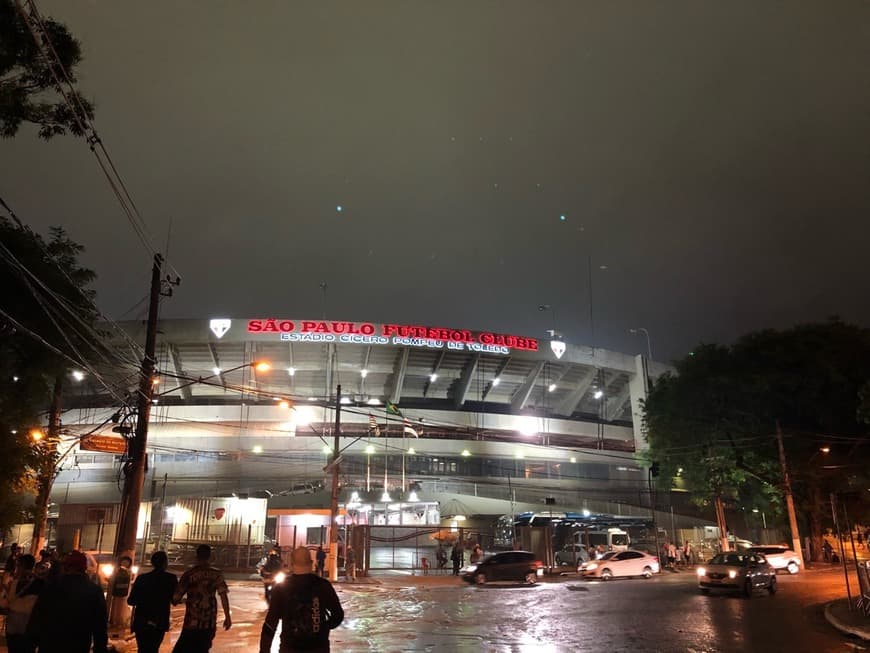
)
(611, 539)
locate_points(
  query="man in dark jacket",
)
(150, 598)
(70, 613)
(307, 607)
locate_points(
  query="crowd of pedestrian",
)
(53, 606)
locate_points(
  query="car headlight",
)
(470, 569)
(280, 576)
(592, 566)
(702, 571)
(732, 573)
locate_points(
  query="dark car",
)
(507, 565)
(742, 572)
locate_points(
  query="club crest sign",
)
(219, 327)
(558, 347)
(219, 513)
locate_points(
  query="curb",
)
(862, 633)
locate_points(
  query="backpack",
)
(303, 618)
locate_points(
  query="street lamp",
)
(549, 307)
(646, 333)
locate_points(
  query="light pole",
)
(648, 345)
(549, 307)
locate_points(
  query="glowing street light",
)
(37, 435)
(78, 375)
(262, 366)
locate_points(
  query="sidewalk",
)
(852, 622)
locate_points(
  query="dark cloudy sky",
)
(714, 156)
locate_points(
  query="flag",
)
(410, 431)
(392, 409)
(373, 425)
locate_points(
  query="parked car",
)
(507, 565)
(614, 564)
(737, 571)
(572, 556)
(779, 557)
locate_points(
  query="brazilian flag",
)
(392, 409)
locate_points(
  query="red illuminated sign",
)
(397, 334)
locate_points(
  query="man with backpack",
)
(307, 607)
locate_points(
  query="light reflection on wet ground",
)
(664, 614)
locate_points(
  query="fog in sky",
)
(708, 162)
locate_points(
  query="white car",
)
(616, 564)
(779, 557)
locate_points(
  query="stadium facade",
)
(444, 421)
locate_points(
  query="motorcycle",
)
(270, 580)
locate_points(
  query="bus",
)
(611, 539)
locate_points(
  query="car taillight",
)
(539, 564)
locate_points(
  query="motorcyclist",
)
(269, 572)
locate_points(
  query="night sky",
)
(712, 158)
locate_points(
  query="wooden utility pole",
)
(789, 500)
(333, 505)
(48, 471)
(134, 468)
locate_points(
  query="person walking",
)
(687, 553)
(441, 556)
(672, 555)
(200, 583)
(456, 556)
(350, 563)
(150, 597)
(70, 613)
(476, 554)
(307, 607)
(10, 566)
(23, 596)
(321, 561)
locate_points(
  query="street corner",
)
(848, 621)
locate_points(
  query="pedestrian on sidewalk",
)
(307, 607)
(350, 563)
(24, 593)
(456, 556)
(321, 561)
(70, 614)
(150, 597)
(200, 583)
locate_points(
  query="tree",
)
(43, 287)
(715, 418)
(27, 85)
(699, 432)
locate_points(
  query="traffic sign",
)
(104, 444)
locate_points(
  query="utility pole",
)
(652, 502)
(720, 521)
(48, 471)
(134, 468)
(789, 500)
(333, 506)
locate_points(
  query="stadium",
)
(441, 429)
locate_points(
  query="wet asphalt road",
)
(666, 613)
